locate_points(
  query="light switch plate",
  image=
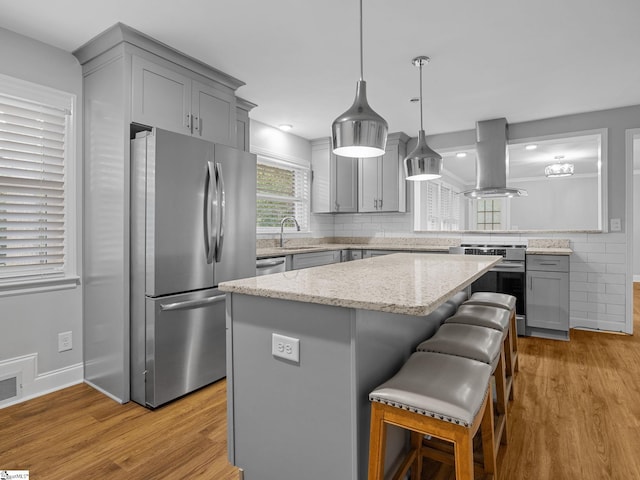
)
(285, 347)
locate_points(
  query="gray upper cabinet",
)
(381, 183)
(334, 185)
(243, 107)
(171, 99)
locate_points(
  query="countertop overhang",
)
(403, 283)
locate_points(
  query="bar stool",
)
(458, 299)
(490, 317)
(484, 345)
(508, 302)
(443, 396)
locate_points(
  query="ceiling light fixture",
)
(558, 169)
(359, 132)
(285, 127)
(422, 163)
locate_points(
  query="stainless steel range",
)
(506, 277)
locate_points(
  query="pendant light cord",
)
(361, 50)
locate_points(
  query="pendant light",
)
(359, 132)
(422, 163)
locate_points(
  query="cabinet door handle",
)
(380, 204)
(196, 124)
(189, 122)
(375, 203)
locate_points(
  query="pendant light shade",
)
(359, 132)
(422, 163)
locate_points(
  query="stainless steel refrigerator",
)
(192, 226)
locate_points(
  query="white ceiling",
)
(518, 59)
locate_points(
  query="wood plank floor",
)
(576, 417)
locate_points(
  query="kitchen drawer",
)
(548, 263)
(305, 260)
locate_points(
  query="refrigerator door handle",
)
(222, 208)
(165, 307)
(208, 208)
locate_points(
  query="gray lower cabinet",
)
(314, 259)
(547, 296)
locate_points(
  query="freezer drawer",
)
(185, 344)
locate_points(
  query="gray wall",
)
(30, 322)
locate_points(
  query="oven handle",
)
(508, 267)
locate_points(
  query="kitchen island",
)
(298, 404)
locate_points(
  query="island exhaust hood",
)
(492, 164)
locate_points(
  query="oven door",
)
(506, 278)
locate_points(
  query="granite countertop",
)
(324, 247)
(401, 283)
(548, 251)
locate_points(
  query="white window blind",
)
(32, 187)
(283, 190)
(442, 206)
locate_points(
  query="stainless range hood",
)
(492, 164)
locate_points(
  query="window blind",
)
(32, 187)
(283, 190)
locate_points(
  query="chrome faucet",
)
(282, 228)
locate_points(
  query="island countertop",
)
(404, 283)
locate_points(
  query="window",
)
(282, 191)
(489, 214)
(440, 206)
(35, 132)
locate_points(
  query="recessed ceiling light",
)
(285, 127)
(532, 146)
(461, 154)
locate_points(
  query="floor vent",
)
(8, 388)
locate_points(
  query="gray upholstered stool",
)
(508, 302)
(484, 345)
(495, 318)
(443, 312)
(443, 396)
(458, 299)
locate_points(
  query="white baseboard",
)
(636, 278)
(599, 325)
(31, 384)
(104, 392)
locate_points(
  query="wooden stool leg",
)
(488, 444)
(501, 401)
(416, 444)
(514, 326)
(377, 443)
(463, 457)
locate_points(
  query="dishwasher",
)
(265, 266)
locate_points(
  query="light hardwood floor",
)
(576, 417)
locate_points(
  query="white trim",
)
(299, 162)
(43, 284)
(35, 385)
(629, 138)
(598, 325)
(104, 392)
(636, 278)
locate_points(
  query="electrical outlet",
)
(285, 347)
(616, 225)
(65, 341)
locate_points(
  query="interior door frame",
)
(630, 136)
